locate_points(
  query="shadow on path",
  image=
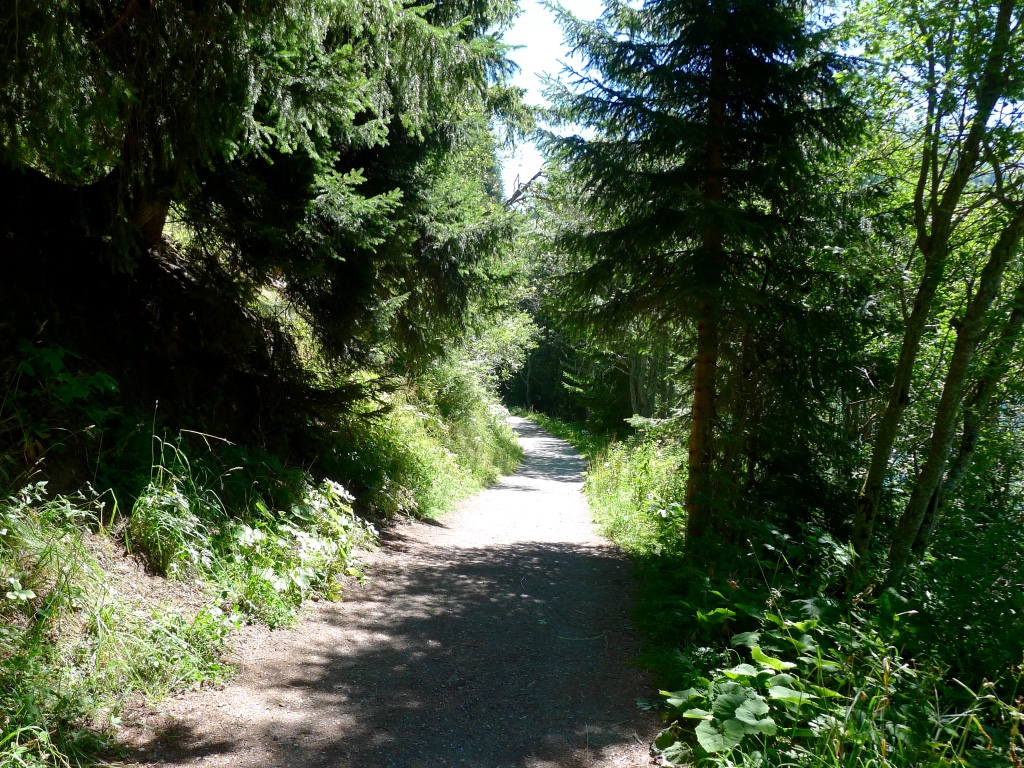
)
(516, 654)
(547, 457)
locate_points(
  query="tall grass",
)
(72, 649)
(635, 492)
(443, 438)
(264, 562)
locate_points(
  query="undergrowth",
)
(444, 437)
(252, 537)
(72, 648)
(763, 666)
(262, 562)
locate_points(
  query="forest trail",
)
(495, 638)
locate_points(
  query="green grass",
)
(633, 485)
(442, 439)
(72, 649)
(262, 561)
(635, 490)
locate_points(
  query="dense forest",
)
(262, 293)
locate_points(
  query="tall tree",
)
(332, 161)
(971, 330)
(710, 122)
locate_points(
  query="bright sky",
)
(542, 53)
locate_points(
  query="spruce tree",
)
(696, 192)
(329, 162)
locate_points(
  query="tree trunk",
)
(899, 398)
(701, 453)
(969, 336)
(525, 376)
(643, 374)
(150, 217)
(934, 209)
(977, 411)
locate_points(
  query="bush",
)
(438, 442)
(768, 670)
(263, 562)
(823, 689)
(636, 490)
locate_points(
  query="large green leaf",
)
(726, 706)
(783, 693)
(750, 714)
(697, 714)
(714, 740)
(715, 617)
(752, 709)
(741, 670)
(680, 698)
(750, 639)
(764, 659)
(677, 754)
(734, 730)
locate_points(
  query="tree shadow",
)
(504, 656)
(507, 656)
(547, 458)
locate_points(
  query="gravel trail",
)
(495, 638)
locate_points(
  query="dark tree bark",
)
(701, 449)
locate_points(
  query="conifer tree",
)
(710, 122)
(326, 160)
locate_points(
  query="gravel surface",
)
(495, 638)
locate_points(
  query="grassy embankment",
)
(214, 542)
(763, 666)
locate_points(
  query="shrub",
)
(768, 670)
(823, 689)
(436, 443)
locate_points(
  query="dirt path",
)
(498, 637)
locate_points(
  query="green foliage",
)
(818, 688)
(445, 438)
(967, 589)
(636, 489)
(264, 562)
(563, 376)
(338, 156)
(46, 395)
(762, 674)
(72, 649)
